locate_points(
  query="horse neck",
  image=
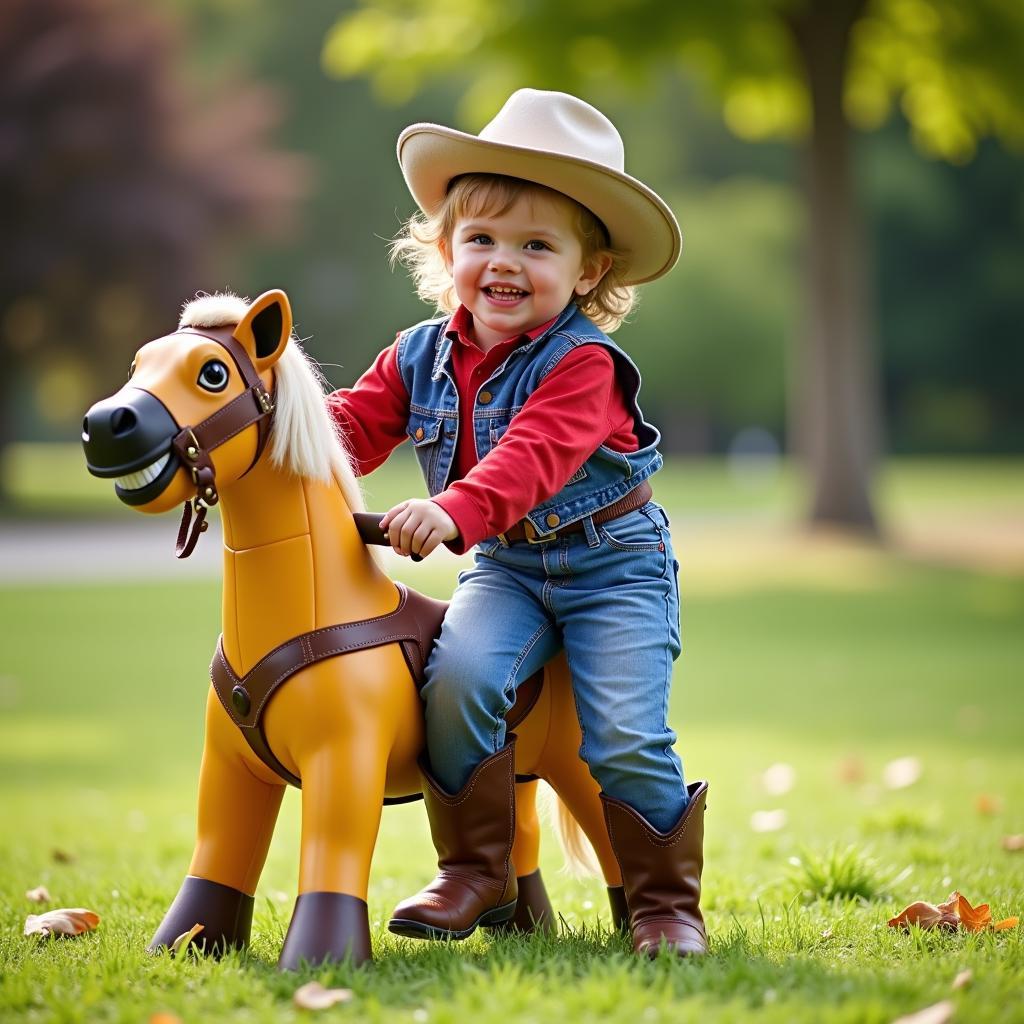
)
(293, 561)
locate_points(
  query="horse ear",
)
(266, 328)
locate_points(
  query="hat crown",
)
(555, 122)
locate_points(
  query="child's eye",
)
(536, 245)
(481, 239)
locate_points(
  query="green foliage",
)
(837, 873)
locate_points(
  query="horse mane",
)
(304, 439)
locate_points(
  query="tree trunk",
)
(834, 408)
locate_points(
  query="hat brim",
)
(639, 222)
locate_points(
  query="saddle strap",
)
(414, 624)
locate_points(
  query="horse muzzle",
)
(127, 437)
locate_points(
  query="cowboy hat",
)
(559, 141)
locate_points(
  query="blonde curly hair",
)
(418, 246)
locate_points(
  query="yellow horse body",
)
(349, 727)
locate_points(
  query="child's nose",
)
(504, 259)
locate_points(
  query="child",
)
(523, 416)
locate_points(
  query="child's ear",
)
(265, 329)
(444, 247)
(593, 270)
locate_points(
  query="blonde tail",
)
(580, 859)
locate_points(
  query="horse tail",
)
(580, 859)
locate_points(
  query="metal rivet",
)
(552, 520)
(419, 433)
(240, 700)
(208, 492)
(485, 397)
(191, 452)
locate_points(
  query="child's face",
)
(516, 270)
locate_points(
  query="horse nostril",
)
(122, 421)
(85, 429)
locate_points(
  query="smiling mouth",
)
(504, 294)
(142, 477)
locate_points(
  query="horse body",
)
(350, 727)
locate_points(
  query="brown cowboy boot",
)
(472, 832)
(661, 875)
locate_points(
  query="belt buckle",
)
(533, 537)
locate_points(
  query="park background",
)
(836, 367)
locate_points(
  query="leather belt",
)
(524, 530)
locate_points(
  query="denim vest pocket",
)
(580, 474)
(424, 432)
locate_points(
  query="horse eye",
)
(131, 370)
(213, 376)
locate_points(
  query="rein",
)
(193, 445)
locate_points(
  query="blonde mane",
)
(303, 437)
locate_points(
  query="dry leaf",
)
(313, 996)
(902, 772)
(1006, 923)
(963, 979)
(185, 938)
(937, 1014)
(987, 804)
(40, 894)
(62, 922)
(1013, 843)
(62, 856)
(164, 1018)
(851, 770)
(768, 821)
(925, 915)
(778, 779)
(974, 919)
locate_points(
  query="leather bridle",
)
(193, 445)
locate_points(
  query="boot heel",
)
(498, 916)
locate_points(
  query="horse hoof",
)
(327, 927)
(224, 913)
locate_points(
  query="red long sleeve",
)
(576, 408)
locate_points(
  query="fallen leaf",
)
(185, 938)
(937, 1014)
(902, 772)
(1006, 923)
(925, 915)
(1013, 843)
(963, 979)
(987, 804)
(62, 922)
(768, 821)
(164, 1018)
(40, 894)
(313, 996)
(778, 779)
(851, 769)
(62, 856)
(974, 919)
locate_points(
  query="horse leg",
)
(533, 907)
(571, 780)
(236, 817)
(343, 760)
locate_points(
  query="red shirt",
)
(576, 408)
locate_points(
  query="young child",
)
(523, 416)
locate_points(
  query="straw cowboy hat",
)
(559, 141)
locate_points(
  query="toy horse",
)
(314, 677)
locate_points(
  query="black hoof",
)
(534, 912)
(224, 913)
(326, 927)
(620, 912)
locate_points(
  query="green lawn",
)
(835, 662)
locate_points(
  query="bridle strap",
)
(193, 445)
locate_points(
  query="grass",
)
(834, 660)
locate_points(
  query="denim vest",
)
(424, 361)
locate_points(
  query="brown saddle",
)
(415, 624)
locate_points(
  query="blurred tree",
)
(116, 189)
(793, 68)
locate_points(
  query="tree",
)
(116, 189)
(801, 69)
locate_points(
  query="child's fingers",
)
(391, 513)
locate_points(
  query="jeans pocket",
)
(635, 531)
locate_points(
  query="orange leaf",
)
(40, 894)
(925, 915)
(1007, 922)
(988, 804)
(974, 919)
(1013, 843)
(164, 1018)
(62, 922)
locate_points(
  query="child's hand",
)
(417, 527)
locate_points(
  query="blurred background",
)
(847, 176)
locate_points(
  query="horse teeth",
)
(141, 477)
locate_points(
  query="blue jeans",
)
(610, 597)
